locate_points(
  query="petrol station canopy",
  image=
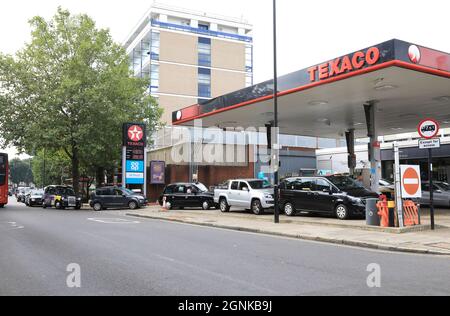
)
(407, 82)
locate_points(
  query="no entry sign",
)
(411, 182)
(428, 129)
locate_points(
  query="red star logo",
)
(135, 133)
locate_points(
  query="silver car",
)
(441, 194)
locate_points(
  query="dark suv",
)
(61, 197)
(190, 195)
(115, 197)
(340, 196)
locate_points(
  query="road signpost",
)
(429, 130)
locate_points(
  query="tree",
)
(21, 171)
(69, 90)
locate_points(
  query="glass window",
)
(204, 27)
(170, 189)
(204, 83)
(2, 170)
(344, 182)
(155, 45)
(204, 52)
(304, 185)
(260, 184)
(243, 186)
(322, 185)
(249, 58)
(154, 78)
(235, 185)
(201, 187)
(181, 189)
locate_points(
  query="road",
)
(119, 255)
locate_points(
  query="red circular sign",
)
(411, 181)
(135, 133)
(414, 54)
(428, 128)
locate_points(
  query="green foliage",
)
(21, 171)
(55, 164)
(69, 90)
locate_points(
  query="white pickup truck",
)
(253, 194)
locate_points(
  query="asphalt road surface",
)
(119, 255)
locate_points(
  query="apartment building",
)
(190, 56)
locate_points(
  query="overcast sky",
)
(310, 32)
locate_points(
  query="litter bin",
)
(372, 218)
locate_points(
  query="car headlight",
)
(355, 200)
(78, 199)
(269, 196)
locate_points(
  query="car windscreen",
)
(65, 191)
(444, 186)
(128, 192)
(37, 192)
(345, 183)
(259, 184)
(201, 187)
(385, 183)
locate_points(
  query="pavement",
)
(419, 239)
(121, 255)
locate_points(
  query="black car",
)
(34, 198)
(61, 197)
(116, 197)
(340, 196)
(187, 195)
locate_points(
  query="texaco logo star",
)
(135, 133)
(414, 54)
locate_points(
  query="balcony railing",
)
(190, 29)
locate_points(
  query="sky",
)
(309, 32)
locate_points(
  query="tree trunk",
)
(100, 177)
(76, 170)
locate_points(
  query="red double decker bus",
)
(3, 179)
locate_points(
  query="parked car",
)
(441, 194)
(340, 196)
(21, 193)
(115, 197)
(187, 195)
(387, 188)
(254, 194)
(61, 197)
(34, 197)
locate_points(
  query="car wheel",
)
(206, 206)
(342, 212)
(133, 205)
(257, 208)
(223, 205)
(97, 207)
(44, 206)
(168, 205)
(289, 209)
(2, 205)
(58, 205)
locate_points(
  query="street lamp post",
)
(275, 156)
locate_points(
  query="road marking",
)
(113, 221)
(14, 225)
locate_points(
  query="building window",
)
(203, 27)
(154, 78)
(204, 83)
(249, 58)
(204, 52)
(155, 44)
(248, 80)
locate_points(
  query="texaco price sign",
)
(428, 129)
